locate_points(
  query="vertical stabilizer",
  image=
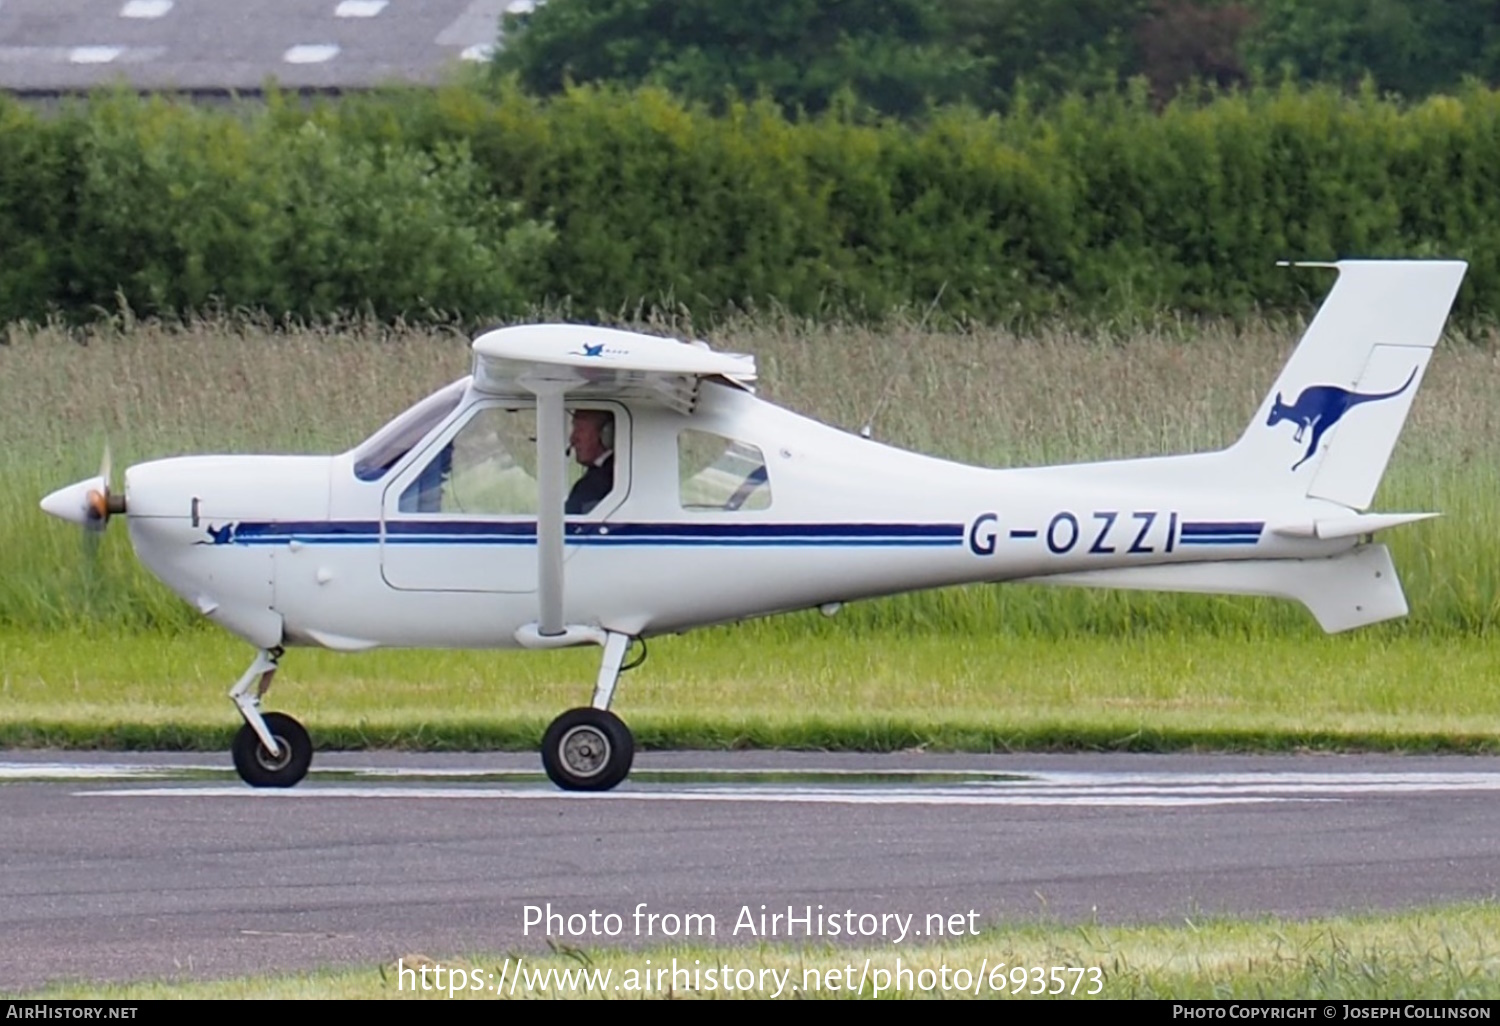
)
(1328, 426)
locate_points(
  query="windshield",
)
(384, 448)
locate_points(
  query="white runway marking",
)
(756, 795)
(1103, 790)
(90, 771)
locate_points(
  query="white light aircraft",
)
(456, 525)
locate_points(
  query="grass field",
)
(1443, 953)
(749, 687)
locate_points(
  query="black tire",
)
(255, 765)
(587, 750)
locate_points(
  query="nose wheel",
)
(255, 763)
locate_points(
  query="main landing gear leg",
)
(591, 749)
(271, 749)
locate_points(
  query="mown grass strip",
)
(818, 734)
(763, 686)
(1448, 953)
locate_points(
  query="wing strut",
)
(552, 473)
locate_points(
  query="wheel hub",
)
(272, 763)
(585, 750)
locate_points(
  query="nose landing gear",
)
(271, 749)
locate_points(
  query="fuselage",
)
(330, 551)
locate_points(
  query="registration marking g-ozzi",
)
(447, 527)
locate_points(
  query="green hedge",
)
(455, 203)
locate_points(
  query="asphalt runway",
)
(117, 867)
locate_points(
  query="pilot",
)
(592, 442)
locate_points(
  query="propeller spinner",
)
(87, 503)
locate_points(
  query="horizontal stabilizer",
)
(1351, 526)
(1355, 588)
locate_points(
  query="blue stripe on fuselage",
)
(1220, 532)
(469, 532)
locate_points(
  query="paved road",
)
(110, 869)
(48, 46)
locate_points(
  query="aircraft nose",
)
(75, 503)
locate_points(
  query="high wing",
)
(591, 361)
(558, 362)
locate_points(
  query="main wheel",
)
(587, 750)
(259, 768)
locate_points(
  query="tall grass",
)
(232, 384)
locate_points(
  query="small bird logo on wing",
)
(599, 350)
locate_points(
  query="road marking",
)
(1069, 789)
(852, 796)
(861, 786)
(18, 771)
(99, 771)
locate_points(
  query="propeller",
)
(87, 503)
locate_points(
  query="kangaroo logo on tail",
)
(1320, 407)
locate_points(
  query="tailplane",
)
(1351, 589)
(1327, 428)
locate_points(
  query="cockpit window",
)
(386, 447)
(489, 468)
(718, 473)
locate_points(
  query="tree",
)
(1181, 41)
(1412, 47)
(892, 54)
(1054, 46)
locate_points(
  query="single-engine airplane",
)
(455, 525)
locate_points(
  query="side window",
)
(487, 469)
(718, 473)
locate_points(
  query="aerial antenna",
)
(868, 429)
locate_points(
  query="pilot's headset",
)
(606, 429)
